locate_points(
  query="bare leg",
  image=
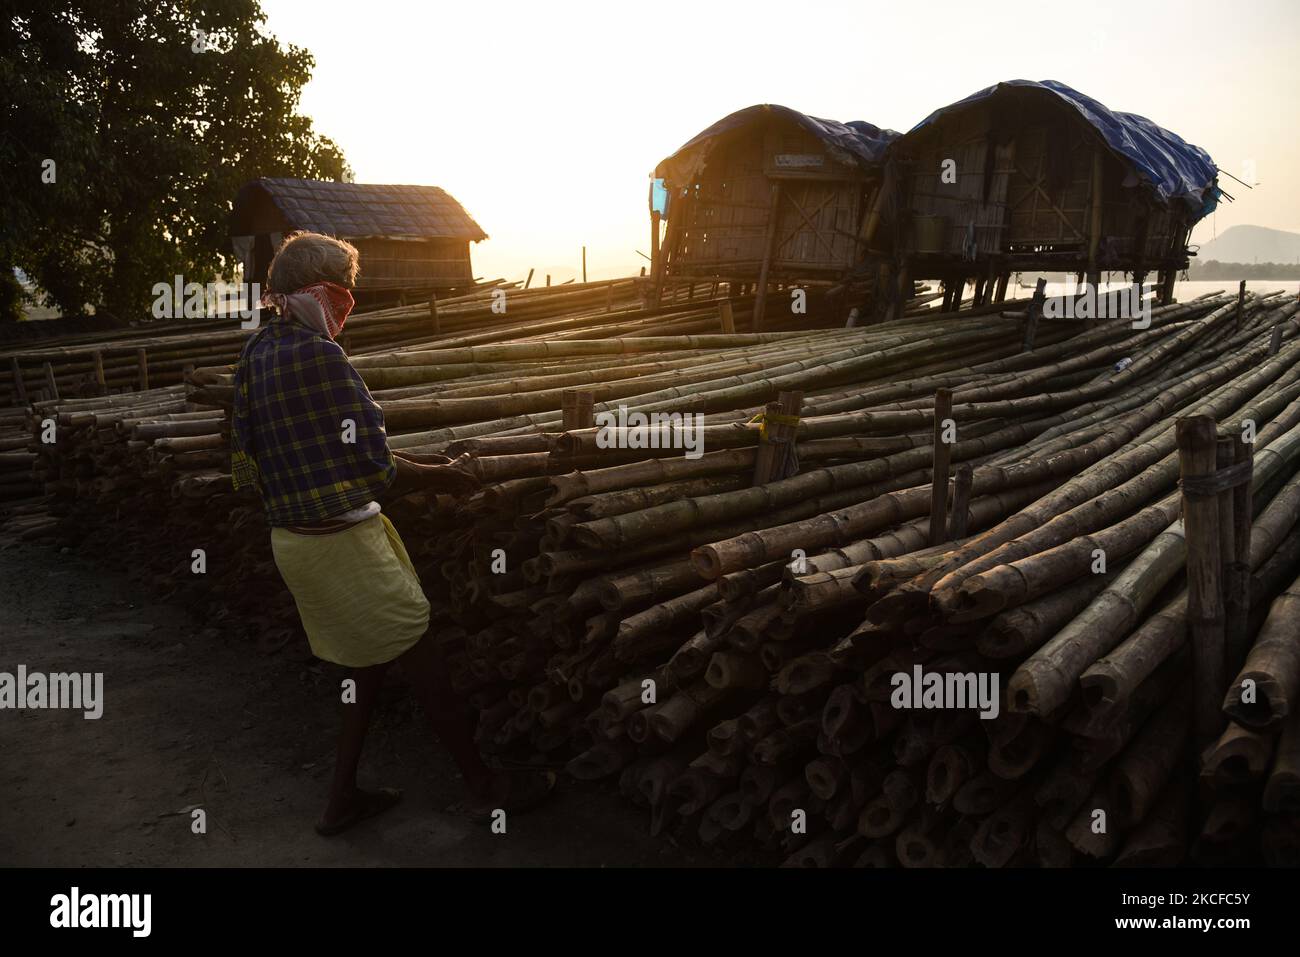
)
(424, 667)
(352, 736)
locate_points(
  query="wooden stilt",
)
(1094, 221)
(1034, 313)
(760, 298)
(142, 363)
(725, 317)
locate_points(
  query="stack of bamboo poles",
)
(17, 482)
(721, 633)
(74, 376)
(769, 699)
(159, 355)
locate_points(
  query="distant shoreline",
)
(1209, 271)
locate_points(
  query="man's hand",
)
(452, 478)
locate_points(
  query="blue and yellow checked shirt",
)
(295, 395)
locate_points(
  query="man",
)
(306, 433)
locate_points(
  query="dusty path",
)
(193, 717)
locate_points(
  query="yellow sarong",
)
(356, 590)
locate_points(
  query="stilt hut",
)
(765, 195)
(1037, 176)
(412, 239)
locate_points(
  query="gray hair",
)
(306, 258)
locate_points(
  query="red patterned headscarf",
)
(323, 305)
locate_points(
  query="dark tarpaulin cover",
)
(850, 143)
(1170, 167)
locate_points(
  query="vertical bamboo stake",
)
(1223, 456)
(98, 358)
(1034, 313)
(528, 281)
(1237, 601)
(1241, 303)
(584, 263)
(142, 363)
(577, 409)
(959, 518)
(942, 458)
(1197, 456)
(50, 384)
(763, 458)
(774, 459)
(548, 280)
(20, 387)
(433, 312)
(1275, 342)
(760, 296)
(568, 409)
(725, 316)
(783, 435)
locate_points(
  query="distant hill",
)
(1251, 244)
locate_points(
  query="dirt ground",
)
(195, 718)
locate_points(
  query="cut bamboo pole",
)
(1196, 444)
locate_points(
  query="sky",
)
(545, 119)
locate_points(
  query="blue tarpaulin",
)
(1163, 162)
(854, 143)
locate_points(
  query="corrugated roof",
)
(360, 210)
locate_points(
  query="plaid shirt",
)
(290, 439)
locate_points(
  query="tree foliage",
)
(153, 113)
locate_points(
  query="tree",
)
(129, 125)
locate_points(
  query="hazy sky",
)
(546, 118)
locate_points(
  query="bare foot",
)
(361, 805)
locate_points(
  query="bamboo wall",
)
(1031, 181)
(724, 219)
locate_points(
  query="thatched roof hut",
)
(767, 194)
(1029, 175)
(411, 238)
